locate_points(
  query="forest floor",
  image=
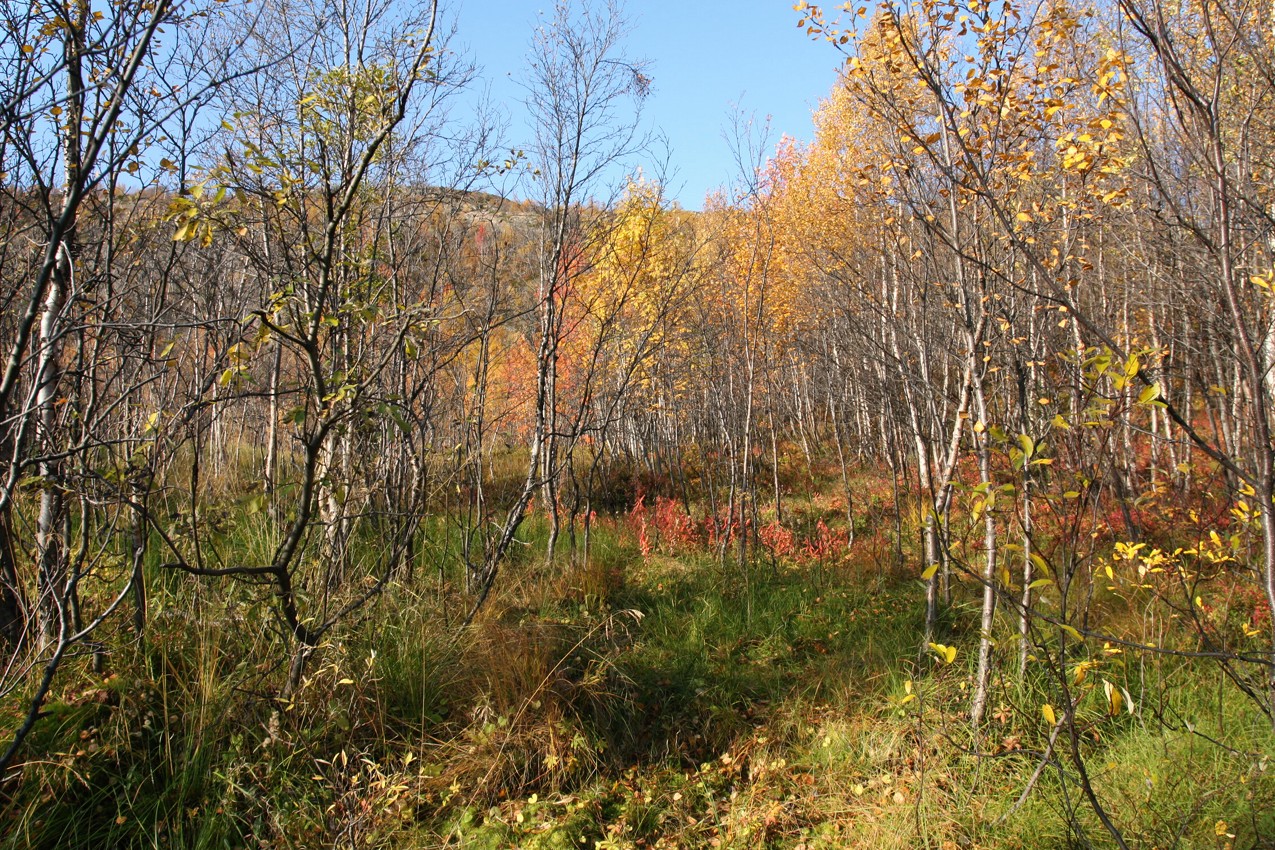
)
(660, 696)
(793, 707)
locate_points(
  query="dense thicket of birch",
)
(279, 319)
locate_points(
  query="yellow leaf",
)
(929, 572)
(1115, 700)
(1047, 711)
(1082, 670)
(946, 654)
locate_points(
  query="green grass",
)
(624, 703)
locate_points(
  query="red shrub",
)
(779, 540)
(675, 526)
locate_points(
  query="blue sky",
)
(703, 57)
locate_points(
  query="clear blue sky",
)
(703, 57)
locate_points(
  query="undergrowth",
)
(657, 698)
